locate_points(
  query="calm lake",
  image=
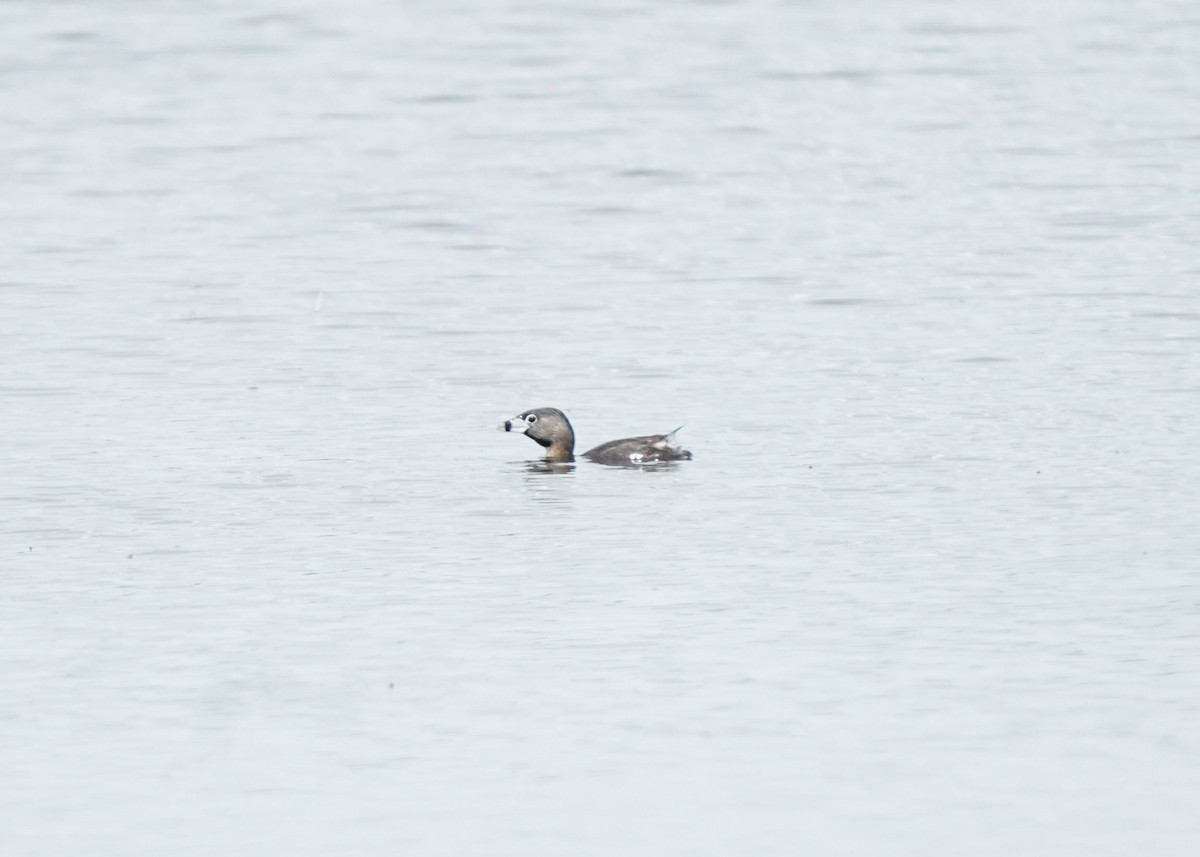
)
(921, 281)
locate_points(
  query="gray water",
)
(919, 279)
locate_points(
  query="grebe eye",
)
(531, 418)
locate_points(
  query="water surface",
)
(920, 282)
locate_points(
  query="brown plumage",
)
(550, 428)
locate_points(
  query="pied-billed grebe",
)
(552, 430)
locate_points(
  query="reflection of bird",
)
(552, 430)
